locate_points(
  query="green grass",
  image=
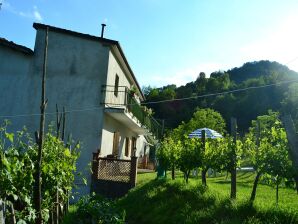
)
(70, 216)
(288, 198)
(167, 201)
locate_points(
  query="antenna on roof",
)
(102, 29)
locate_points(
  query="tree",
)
(202, 75)
(206, 118)
(280, 166)
(168, 154)
(190, 156)
(267, 146)
(231, 159)
(212, 156)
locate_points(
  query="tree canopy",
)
(244, 105)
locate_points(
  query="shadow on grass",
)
(166, 201)
(244, 184)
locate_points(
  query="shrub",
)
(96, 209)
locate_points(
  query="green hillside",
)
(259, 68)
(244, 105)
(173, 201)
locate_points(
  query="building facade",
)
(92, 79)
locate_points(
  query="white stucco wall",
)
(115, 68)
(141, 144)
(14, 80)
(109, 128)
(76, 70)
(110, 124)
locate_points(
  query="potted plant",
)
(133, 90)
(148, 111)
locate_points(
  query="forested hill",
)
(256, 69)
(245, 105)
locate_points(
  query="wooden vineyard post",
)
(12, 214)
(63, 124)
(255, 184)
(293, 142)
(58, 121)
(39, 136)
(58, 212)
(133, 171)
(2, 221)
(233, 158)
(204, 171)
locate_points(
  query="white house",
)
(91, 78)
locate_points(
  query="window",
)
(116, 87)
(116, 143)
(127, 141)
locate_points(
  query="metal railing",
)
(122, 97)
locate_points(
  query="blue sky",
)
(170, 41)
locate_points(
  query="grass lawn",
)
(168, 201)
(288, 198)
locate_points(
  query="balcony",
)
(122, 105)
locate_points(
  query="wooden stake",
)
(255, 184)
(58, 121)
(2, 221)
(292, 138)
(233, 158)
(293, 142)
(63, 124)
(204, 171)
(40, 137)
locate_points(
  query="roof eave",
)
(15, 46)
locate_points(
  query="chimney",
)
(102, 29)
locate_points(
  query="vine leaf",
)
(9, 136)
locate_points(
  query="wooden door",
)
(127, 144)
(116, 143)
(133, 146)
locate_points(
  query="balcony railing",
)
(121, 97)
(111, 177)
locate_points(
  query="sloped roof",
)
(15, 46)
(91, 37)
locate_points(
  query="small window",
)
(116, 85)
